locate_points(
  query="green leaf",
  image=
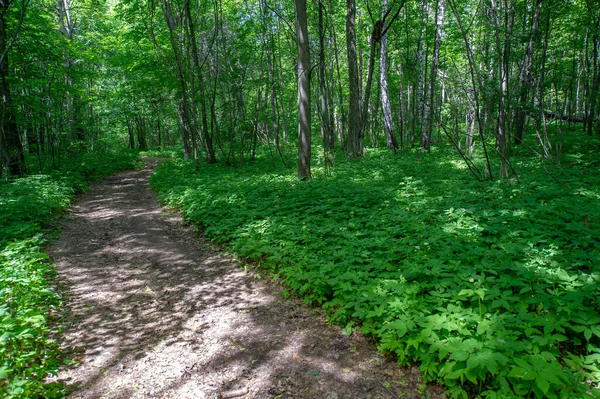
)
(542, 384)
(522, 373)
(460, 356)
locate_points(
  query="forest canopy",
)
(220, 78)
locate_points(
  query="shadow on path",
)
(153, 313)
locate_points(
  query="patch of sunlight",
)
(460, 221)
(458, 164)
(588, 193)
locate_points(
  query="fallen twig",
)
(234, 394)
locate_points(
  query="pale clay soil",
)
(155, 311)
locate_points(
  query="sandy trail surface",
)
(154, 312)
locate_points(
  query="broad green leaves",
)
(492, 289)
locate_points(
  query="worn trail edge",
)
(152, 312)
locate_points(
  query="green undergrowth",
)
(169, 152)
(29, 207)
(492, 288)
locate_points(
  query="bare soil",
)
(154, 311)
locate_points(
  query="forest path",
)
(154, 313)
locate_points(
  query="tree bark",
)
(593, 98)
(428, 120)
(526, 78)
(184, 105)
(303, 90)
(501, 87)
(354, 145)
(207, 138)
(12, 154)
(326, 127)
(386, 106)
(476, 82)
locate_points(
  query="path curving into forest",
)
(154, 312)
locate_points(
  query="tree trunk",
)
(12, 154)
(326, 127)
(375, 39)
(428, 120)
(206, 136)
(130, 131)
(184, 105)
(526, 78)
(593, 99)
(303, 90)
(501, 87)
(354, 145)
(341, 105)
(141, 133)
(476, 82)
(386, 106)
(420, 81)
(541, 131)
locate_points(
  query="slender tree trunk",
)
(501, 87)
(12, 154)
(72, 100)
(130, 131)
(386, 106)
(420, 82)
(526, 78)
(375, 39)
(184, 105)
(593, 98)
(428, 120)
(141, 133)
(541, 131)
(401, 107)
(354, 145)
(206, 136)
(326, 127)
(341, 105)
(476, 82)
(470, 124)
(303, 90)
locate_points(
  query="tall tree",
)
(386, 106)
(12, 155)
(526, 75)
(435, 59)
(326, 126)
(207, 138)
(354, 144)
(185, 106)
(303, 90)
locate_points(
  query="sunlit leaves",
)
(488, 288)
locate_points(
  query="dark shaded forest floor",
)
(154, 312)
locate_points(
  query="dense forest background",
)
(220, 77)
(425, 170)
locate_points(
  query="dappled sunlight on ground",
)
(153, 312)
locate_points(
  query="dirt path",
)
(154, 313)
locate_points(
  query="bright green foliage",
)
(27, 354)
(492, 288)
(27, 207)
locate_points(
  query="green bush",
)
(491, 287)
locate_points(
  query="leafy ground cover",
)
(491, 287)
(28, 206)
